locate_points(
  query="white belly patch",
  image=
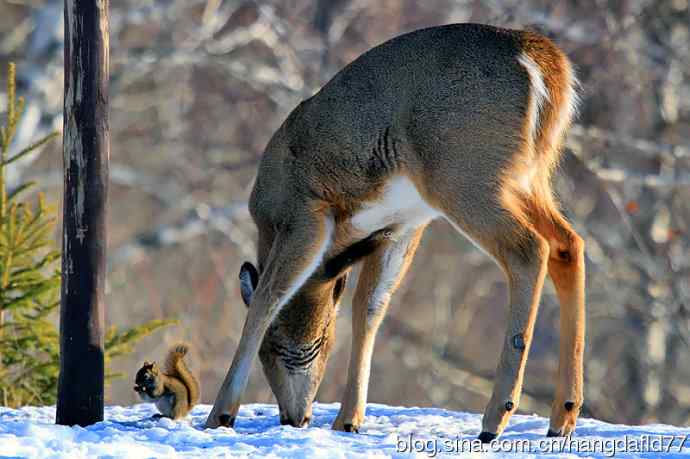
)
(401, 204)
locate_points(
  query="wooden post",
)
(86, 151)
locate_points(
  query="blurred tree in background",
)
(199, 86)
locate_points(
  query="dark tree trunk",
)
(86, 153)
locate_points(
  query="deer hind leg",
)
(567, 271)
(381, 274)
(296, 253)
(523, 255)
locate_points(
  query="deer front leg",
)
(381, 273)
(296, 253)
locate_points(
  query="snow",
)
(387, 432)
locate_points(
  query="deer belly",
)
(400, 204)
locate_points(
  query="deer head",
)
(296, 346)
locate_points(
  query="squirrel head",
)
(148, 383)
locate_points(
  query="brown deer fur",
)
(463, 122)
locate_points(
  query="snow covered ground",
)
(387, 432)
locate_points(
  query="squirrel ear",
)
(249, 279)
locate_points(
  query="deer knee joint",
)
(564, 255)
(570, 250)
(519, 342)
(377, 306)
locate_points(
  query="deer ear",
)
(339, 287)
(249, 278)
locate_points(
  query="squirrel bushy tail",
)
(175, 366)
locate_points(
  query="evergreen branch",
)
(119, 343)
(21, 300)
(11, 101)
(30, 148)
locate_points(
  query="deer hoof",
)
(351, 428)
(487, 437)
(554, 433)
(226, 420)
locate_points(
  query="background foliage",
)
(199, 86)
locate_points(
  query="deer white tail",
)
(552, 105)
(553, 96)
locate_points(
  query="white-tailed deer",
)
(463, 122)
